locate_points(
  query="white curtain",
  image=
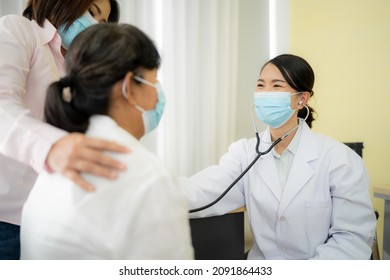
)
(200, 46)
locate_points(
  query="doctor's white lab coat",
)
(324, 210)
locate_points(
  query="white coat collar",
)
(301, 171)
(266, 167)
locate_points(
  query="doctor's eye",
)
(260, 85)
(91, 12)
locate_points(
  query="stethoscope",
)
(259, 154)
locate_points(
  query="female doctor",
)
(308, 198)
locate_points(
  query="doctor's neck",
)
(281, 131)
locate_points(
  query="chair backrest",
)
(356, 146)
(219, 237)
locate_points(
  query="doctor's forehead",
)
(270, 69)
(271, 73)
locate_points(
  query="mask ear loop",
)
(139, 108)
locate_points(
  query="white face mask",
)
(151, 118)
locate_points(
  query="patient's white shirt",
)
(140, 215)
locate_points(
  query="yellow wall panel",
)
(348, 44)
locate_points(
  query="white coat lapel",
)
(300, 171)
(266, 167)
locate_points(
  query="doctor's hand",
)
(76, 153)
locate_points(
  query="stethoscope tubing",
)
(259, 154)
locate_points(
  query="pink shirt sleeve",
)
(27, 67)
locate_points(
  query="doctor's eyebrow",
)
(273, 81)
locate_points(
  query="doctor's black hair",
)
(98, 57)
(60, 12)
(299, 75)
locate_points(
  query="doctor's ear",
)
(304, 99)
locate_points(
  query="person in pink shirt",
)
(32, 49)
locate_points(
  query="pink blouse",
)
(30, 59)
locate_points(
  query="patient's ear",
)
(128, 88)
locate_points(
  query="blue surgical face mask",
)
(273, 108)
(150, 118)
(86, 20)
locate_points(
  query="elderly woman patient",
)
(110, 92)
